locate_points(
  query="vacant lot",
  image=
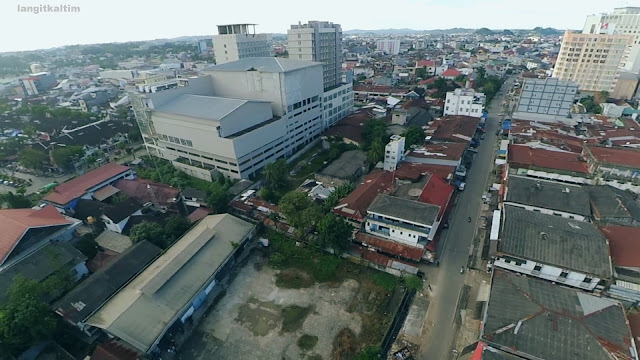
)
(296, 319)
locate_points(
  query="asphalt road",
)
(453, 251)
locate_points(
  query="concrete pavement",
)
(454, 250)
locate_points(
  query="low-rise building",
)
(178, 286)
(534, 319)
(393, 153)
(560, 162)
(553, 248)
(624, 243)
(354, 206)
(464, 102)
(448, 154)
(548, 197)
(66, 195)
(347, 168)
(454, 128)
(614, 162)
(612, 206)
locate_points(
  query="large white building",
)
(388, 46)
(239, 41)
(393, 153)
(623, 21)
(239, 117)
(464, 102)
(321, 41)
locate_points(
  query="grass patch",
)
(314, 357)
(385, 280)
(307, 342)
(345, 345)
(412, 282)
(293, 316)
(293, 279)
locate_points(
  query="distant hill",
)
(546, 31)
(484, 32)
(381, 31)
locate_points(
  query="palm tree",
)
(376, 151)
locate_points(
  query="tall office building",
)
(318, 41)
(239, 41)
(321, 41)
(388, 46)
(235, 119)
(594, 61)
(623, 21)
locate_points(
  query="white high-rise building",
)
(623, 21)
(236, 119)
(318, 41)
(464, 102)
(321, 41)
(388, 46)
(239, 41)
(594, 61)
(393, 153)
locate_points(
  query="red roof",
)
(198, 214)
(413, 171)
(15, 223)
(456, 128)
(76, 187)
(427, 81)
(354, 206)
(391, 247)
(113, 351)
(436, 192)
(634, 324)
(450, 72)
(350, 127)
(425, 63)
(442, 151)
(624, 244)
(629, 158)
(145, 191)
(524, 156)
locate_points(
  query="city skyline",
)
(122, 21)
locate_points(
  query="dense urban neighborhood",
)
(324, 194)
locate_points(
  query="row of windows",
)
(176, 140)
(302, 103)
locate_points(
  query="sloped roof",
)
(541, 320)
(547, 159)
(76, 187)
(548, 195)
(624, 242)
(409, 210)
(14, 223)
(123, 210)
(203, 107)
(567, 243)
(450, 72)
(113, 350)
(455, 128)
(355, 205)
(145, 190)
(625, 157)
(391, 247)
(437, 192)
(89, 295)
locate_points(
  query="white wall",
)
(461, 105)
(337, 104)
(548, 272)
(563, 214)
(393, 154)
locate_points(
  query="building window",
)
(537, 268)
(587, 280)
(564, 274)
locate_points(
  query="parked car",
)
(482, 137)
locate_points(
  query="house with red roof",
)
(619, 162)
(25, 230)
(450, 74)
(624, 245)
(354, 206)
(525, 157)
(94, 184)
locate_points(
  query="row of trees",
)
(63, 157)
(160, 235)
(489, 85)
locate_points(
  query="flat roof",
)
(203, 107)
(409, 210)
(141, 312)
(537, 319)
(263, 64)
(548, 195)
(346, 165)
(567, 243)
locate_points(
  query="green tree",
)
(175, 227)
(372, 130)
(29, 130)
(65, 156)
(460, 78)
(276, 180)
(121, 146)
(369, 353)
(414, 135)
(149, 231)
(603, 95)
(361, 78)
(440, 84)
(87, 245)
(481, 74)
(422, 72)
(292, 205)
(218, 200)
(376, 151)
(31, 158)
(25, 318)
(340, 191)
(18, 201)
(334, 233)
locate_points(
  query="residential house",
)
(449, 154)
(116, 218)
(450, 74)
(464, 101)
(346, 168)
(553, 248)
(612, 206)
(534, 319)
(145, 191)
(182, 282)
(454, 128)
(614, 162)
(548, 197)
(88, 297)
(354, 206)
(194, 197)
(624, 243)
(66, 195)
(558, 162)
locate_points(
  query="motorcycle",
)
(461, 270)
(469, 219)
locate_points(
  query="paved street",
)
(453, 251)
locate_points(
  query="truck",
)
(460, 185)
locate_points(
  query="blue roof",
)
(629, 111)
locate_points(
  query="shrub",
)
(412, 282)
(324, 268)
(385, 281)
(307, 342)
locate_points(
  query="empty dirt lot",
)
(256, 319)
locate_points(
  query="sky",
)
(101, 21)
